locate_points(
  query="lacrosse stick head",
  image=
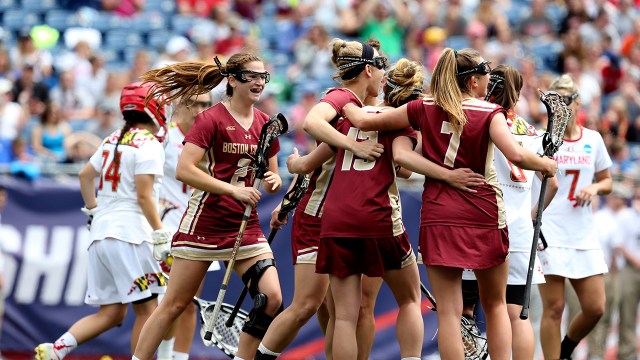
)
(475, 345)
(559, 115)
(276, 126)
(293, 196)
(224, 338)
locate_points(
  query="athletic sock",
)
(265, 354)
(165, 350)
(133, 357)
(237, 358)
(410, 358)
(567, 347)
(64, 345)
(180, 355)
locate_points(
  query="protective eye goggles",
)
(380, 62)
(483, 69)
(246, 76)
(568, 99)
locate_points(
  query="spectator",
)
(312, 58)
(486, 14)
(47, 138)
(624, 15)
(290, 29)
(609, 238)
(75, 106)
(125, 8)
(576, 16)
(620, 157)
(201, 8)
(74, 5)
(537, 27)
(504, 49)
(298, 112)
(30, 93)
(386, 21)
(141, 63)
(12, 116)
(25, 53)
(95, 82)
(477, 36)
(178, 49)
(108, 119)
(7, 70)
(630, 277)
(615, 121)
(233, 43)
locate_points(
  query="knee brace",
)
(258, 321)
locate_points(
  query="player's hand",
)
(584, 196)
(275, 222)
(550, 167)
(247, 195)
(161, 244)
(367, 150)
(291, 161)
(273, 179)
(89, 213)
(464, 178)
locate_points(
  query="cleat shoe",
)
(46, 352)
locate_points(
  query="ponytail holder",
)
(455, 52)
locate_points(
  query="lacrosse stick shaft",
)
(427, 293)
(524, 314)
(232, 261)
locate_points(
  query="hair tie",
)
(455, 52)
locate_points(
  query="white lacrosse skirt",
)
(572, 263)
(518, 267)
(121, 272)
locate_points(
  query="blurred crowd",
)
(61, 70)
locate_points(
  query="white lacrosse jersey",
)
(119, 216)
(516, 184)
(563, 223)
(173, 191)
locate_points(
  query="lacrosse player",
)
(504, 87)
(310, 288)
(573, 250)
(174, 196)
(124, 223)
(461, 229)
(218, 161)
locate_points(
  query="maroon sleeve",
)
(497, 110)
(275, 148)
(415, 112)
(202, 132)
(338, 98)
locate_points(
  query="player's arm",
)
(188, 172)
(405, 156)
(601, 186)
(144, 191)
(519, 156)
(272, 178)
(316, 123)
(306, 164)
(87, 178)
(392, 119)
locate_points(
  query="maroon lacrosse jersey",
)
(363, 200)
(229, 157)
(441, 203)
(313, 200)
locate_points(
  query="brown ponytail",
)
(505, 85)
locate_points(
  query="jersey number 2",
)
(112, 172)
(359, 164)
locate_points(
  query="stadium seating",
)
(60, 19)
(40, 6)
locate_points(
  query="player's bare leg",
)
(446, 283)
(405, 285)
(309, 293)
(346, 315)
(366, 330)
(331, 325)
(143, 311)
(522, 334)
(323, 316)
(185, 327)
(552, 294)
(492, 283)
(592, 297)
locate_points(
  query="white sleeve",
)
(603, 161)
(150, 159)
(96, 159)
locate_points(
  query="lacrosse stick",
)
(475, 345)
(226, 338)
(289, 202)
(276, 126)
(559, 115)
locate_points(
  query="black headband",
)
(356, 64)
(219, 64)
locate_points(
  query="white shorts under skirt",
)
(572, 263)
(122, 272)
(518, 267)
